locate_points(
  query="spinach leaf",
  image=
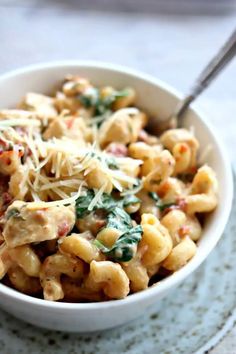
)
(111, 163)
(154, 196)
(162, 206)
(106, 102)
(118, 219)
(125, 247)
(13, 213)
(82, 203)
(107, 203)
(130, 199)
(92, 98)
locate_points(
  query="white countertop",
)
(174, 48)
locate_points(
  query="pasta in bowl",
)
(94, 207)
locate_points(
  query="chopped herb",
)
(13, 213)
(135, 189)
(82, 203)
(162, 206)
(125, 247)
(92, 98)
(111, 163)
(154, 196)
(119, 219)
(130, 199)
(115, 95)
(107, 202)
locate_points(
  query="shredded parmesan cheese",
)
(19, 122)
(97, 197)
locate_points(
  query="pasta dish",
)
(92, 206)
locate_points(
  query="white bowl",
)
(159, 100)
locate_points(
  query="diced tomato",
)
(183, 148)
(63, 229)
(117, 149)
(163, 189)
(184, 230)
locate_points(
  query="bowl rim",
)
(171, 281)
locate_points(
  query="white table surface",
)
(173, 48)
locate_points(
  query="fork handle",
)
(215, 66)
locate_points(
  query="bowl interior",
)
(158, 100)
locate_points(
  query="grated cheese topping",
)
(55, 169)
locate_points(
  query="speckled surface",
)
(181, 323)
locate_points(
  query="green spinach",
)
(162, 206)
(117, 218)
(125, 247)
(130, 199)
(82, 203)
(107, 202)
(92, 98)
(13, 213)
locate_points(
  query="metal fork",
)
(215, 66)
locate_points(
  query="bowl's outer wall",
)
(76, 321)
(158, 100)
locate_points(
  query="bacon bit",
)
(63, 229)
(183, 231)
(182, 204)
(193, 170)
(117, 149)
(69, 123)
(143, 135)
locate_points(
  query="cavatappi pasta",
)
(92, 206)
